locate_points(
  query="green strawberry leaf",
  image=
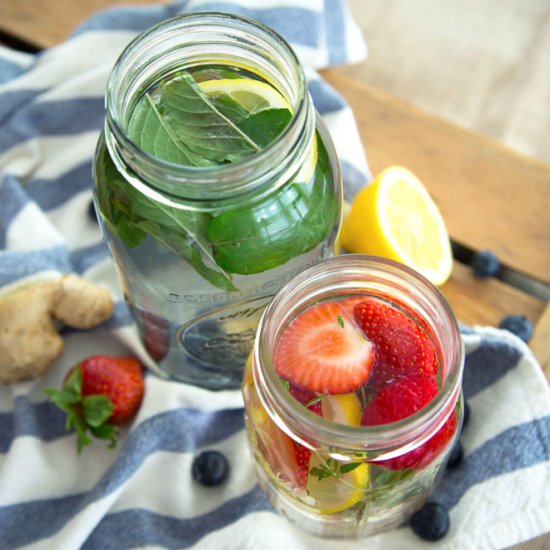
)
(96, 410)
(106, 431)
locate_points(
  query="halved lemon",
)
(343, 489)
(396, 218)
(252, 95)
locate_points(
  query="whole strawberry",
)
(402, 345)
(98, 394)
(400, 398)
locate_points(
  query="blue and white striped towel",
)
(141, 494)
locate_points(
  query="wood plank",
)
(540, 344)
(46, 24)
(491, 197)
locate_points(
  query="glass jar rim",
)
(239, 177)
(387, 440)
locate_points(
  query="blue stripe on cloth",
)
(9, 70)
(145, 528)
(16, 265)
(335, 32)
(486, 364)
(84, 258)
(42, 420)
(181, 430)
(304, 31)
(53, 118)
(325, 99)
(516, 448)
(11, 102)
(52, 193)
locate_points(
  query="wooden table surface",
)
(491, 197)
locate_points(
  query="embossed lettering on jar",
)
(216, 182)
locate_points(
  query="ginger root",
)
(29, 339)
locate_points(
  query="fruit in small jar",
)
(99, 394)
(322, 351)
(402, 345)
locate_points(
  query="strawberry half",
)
(402, 345)
(322, 351)
(98, 394)
(155, 335)
(398, 399)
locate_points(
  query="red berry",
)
(155, 335)
(302, 455)
(322, 351)
(98, 394)
(120, 379)
(398, 399)
(306, 396)
(402, 345)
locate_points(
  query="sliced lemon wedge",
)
(252, 95)
(395, 217)
(348, 482)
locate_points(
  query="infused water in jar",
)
(353, 395)
(215, 182)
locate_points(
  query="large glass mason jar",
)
(216, 182)
(360, 462)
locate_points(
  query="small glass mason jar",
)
(335, 479)
(200, 250)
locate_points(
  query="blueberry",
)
(431, 522)
(92, 213)
(485, 264)
(518, 325)
(466, 414)
(456, 456)
(210, 468)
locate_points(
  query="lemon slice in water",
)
(396, 218)
(252, 95)
(346, 486)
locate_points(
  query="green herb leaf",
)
(265, 126)
(314, 400)
(96, 409)
(345, 468)
(185, 127)
(340, 320)
(267, 234)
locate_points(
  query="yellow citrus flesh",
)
(395, 217)
(336, 493)
(252, 95)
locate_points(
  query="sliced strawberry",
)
(323, 351)
(402, 345)
(398, 399)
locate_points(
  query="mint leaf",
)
(350, 466)
(264, 127)
(265, 235)
(187, 128)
